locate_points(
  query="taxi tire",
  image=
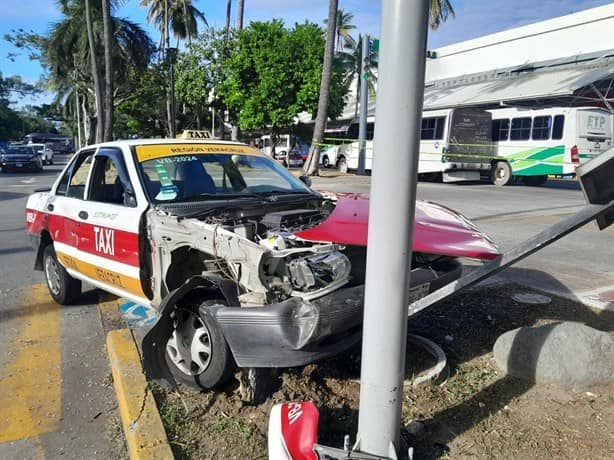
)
(222, 365)
(69, 287)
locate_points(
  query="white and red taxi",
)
(245, 264)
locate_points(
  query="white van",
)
(550, 141)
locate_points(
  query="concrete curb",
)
(143, 429)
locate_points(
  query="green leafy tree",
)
(199, 72)
(144, 113)
(274, 74)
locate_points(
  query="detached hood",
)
(437, 229)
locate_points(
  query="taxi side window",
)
(72, 183)
(109, 181)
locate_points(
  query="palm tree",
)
(343, 28)
(68, 56)
(95, 74)
(350, 63)
(240, 11)
(312, 164)
(439, 11)
(182, 17)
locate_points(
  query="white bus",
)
(454, 143)
(534, 144)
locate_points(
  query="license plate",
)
(19, 165)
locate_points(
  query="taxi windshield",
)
(202, 176)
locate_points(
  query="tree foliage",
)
(273, 73)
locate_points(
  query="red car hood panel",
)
(437, 229)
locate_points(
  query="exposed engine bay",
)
(256, 248)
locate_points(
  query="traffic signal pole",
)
(364, 104)
(391, 215)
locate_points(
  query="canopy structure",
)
(587, 82)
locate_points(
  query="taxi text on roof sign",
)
(194, 134)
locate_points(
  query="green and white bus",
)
(534, 144)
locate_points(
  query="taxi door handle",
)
(83, 215)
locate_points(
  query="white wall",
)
(584, 32)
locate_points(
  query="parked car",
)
(45, 151)
(298, 155)
(244, 263)
(21, 157)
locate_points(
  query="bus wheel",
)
(342, 165)
(534, 181)
(501, 173)
(325, 161)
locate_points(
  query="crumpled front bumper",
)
(297, 332)
(294, 332)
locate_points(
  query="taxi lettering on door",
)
(104, 239)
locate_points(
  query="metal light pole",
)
(393, 196)
(364, 103)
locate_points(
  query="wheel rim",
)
(189, 347)
(52, 273)
(501, 173)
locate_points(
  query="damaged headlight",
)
(318, 270)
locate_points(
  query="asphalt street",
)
(55, 397)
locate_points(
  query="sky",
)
(474, 18)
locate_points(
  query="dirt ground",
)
(472, 411)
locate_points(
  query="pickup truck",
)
(244, 263)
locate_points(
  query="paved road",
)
(56, 398)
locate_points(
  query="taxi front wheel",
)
(63, 288)
(197, 353)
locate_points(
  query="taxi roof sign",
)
(194, 134)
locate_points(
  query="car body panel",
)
(437, 230)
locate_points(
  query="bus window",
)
(557, 127)
(521, 129)
(353, 131)
(370, 130)
(541, 128)
(432, 128)
(500, 129)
